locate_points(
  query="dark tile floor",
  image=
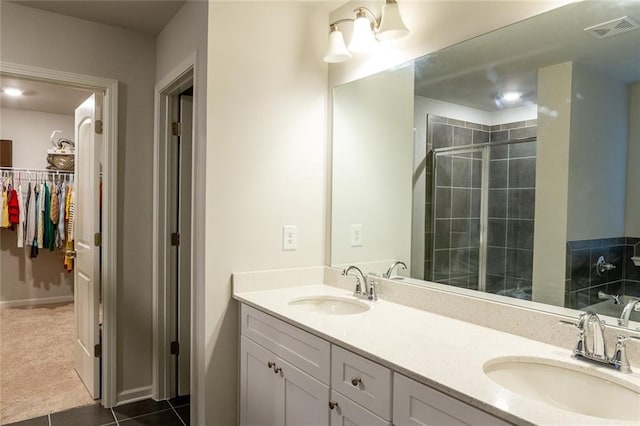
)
(174, 412)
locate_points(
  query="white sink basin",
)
(568, 387)
(331, 305)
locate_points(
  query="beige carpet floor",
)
(36, 362)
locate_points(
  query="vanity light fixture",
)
(367, 29)
(12, 91)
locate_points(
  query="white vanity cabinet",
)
(291, 377)
(347, 413)
(284, 373)
(417, 404)
(275, 393)
(361, 388)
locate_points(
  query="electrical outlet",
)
(289, 237)
(356, 235)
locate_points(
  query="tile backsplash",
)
(582, 279)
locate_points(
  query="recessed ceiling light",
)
(511, 96)
(12, 91)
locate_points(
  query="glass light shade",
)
(362, 39)
(337, 51)
(391, 24)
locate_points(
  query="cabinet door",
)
(417, 404)
(347, 413)
(275, 393)
(261, 392)
(306, 400)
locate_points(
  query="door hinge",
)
(99, 127)
(175, 348)
(97, 239)
(175, 239)
(97, 351)
(176, 128)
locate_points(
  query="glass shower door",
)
(459, 249)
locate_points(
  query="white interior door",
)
(86, 226)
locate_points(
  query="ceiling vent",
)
(612, 28)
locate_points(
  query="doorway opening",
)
(50, 298)
(173, 234)
(57, 292)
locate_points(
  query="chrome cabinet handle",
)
(332, 405)
(355, 380)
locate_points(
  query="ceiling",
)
(474, 72)
(42, 97)
(146, 16)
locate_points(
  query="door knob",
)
(70, 253)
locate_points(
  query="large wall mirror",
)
(508, 164)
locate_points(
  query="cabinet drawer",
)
(361, 380)
(309, 353)
(348, 413)
(417, 404)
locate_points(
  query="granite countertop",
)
(441, 352)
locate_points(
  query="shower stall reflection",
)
(480, 205)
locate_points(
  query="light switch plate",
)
(356, 235)
(289, 237)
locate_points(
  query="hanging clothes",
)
(31, 215)
(40, 222)
(5, 210)
(13, 208)
(21, 218)
(62, 197)
(70, 218)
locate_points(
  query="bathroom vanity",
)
(311, 354)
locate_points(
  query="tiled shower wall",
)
(582, 280)
(512, 182)
(451, 254)
(453, 249)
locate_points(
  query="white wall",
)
(632, 210)
(25, 279)
(266, 162)
(30, 132)
(598, 156)
(39, 38)
(372, 176)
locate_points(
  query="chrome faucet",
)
(591, 345)
(361, 279)
(632, 305)
(615, 297)
(392, 267)
(594, 345)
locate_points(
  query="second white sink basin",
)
(331, 305)
(568, 387)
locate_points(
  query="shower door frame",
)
(484, 197)
(485, 148)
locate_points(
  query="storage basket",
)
(61, 161)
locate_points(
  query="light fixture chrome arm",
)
(366, 29)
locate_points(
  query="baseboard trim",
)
(33, 302)
(133, 395)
